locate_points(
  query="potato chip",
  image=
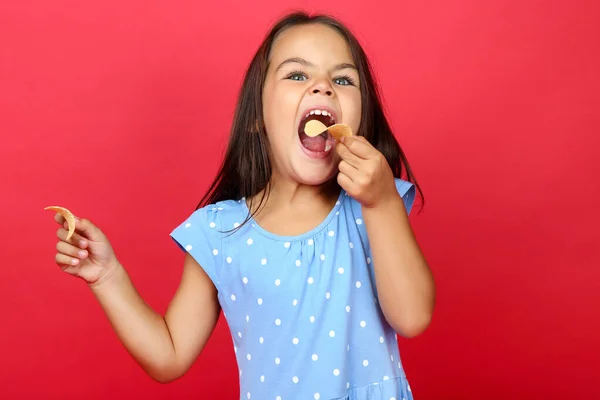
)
(315, 128)
(69, 217)
(339, 130)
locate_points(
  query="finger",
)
(346, 155)
(64, 260)
(359, 146)
(75, 238)
(59, 218)
(88, 230)
(348, 169)
(70, 250)
(346, 183)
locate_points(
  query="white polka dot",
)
(295, 302)
(261, 340)
(317, 396)
(311, 242)
(247, 318)
(245, 280)
(236, 224)
(298, 263)
(240, 335)
(327, 295)
(408, 387)
(392, 398)
(277, 322)
(336, 372)
(368, 260)
(351, 245)
(386, 378)
(347, 308)
(358, 284)
(263, 261)
(310, 280)
(331, 333)
(340, 270)
(331, 233)
(312, 319)
(259, 301)
(240, 372)
(337, 213)
(220, 208)
(347, 347)
(277, 360)
(286, 245)
(359, 221)
(215, 252)
(277, 282)
(315, 357)
(295, 379)
(188, 225)
(262, 378)
(278, 398)
(235, 349)
(399, 366)
(212, 225)
(363, 324)
(188, 247)
(392, 358)
(249, 357)
(229, 260)
(347, 385)
(233, 297)
(337, 203)
(295, 340)
(365, 363)
(322, 257)
(250, 241)
(381, 339)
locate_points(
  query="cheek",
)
(352, 111)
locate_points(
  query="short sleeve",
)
(407, 192)
(199, 236)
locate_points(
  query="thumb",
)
(87, 229)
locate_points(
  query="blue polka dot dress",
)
(302, 310)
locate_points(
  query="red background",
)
(120, 111)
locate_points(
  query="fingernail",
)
(81, 253)
(82, 243)
(74, 261)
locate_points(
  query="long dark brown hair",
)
(246, 168)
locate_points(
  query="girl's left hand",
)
(364, 172)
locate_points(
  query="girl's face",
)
(311, 72)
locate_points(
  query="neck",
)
(287, 193)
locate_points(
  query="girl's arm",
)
(165, 347)
(405, 284)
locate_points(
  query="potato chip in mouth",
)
(314, 128)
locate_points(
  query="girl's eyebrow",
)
(302, 61)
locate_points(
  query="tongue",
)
(316, 144)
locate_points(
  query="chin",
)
(314, 175)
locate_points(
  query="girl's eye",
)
(296, 76)
(344, 80)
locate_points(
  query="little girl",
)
(303, 242)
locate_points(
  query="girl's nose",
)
(322, 87)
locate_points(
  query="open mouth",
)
(322, 143)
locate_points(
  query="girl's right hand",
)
(87, 254)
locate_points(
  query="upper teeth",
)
(319, 112)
